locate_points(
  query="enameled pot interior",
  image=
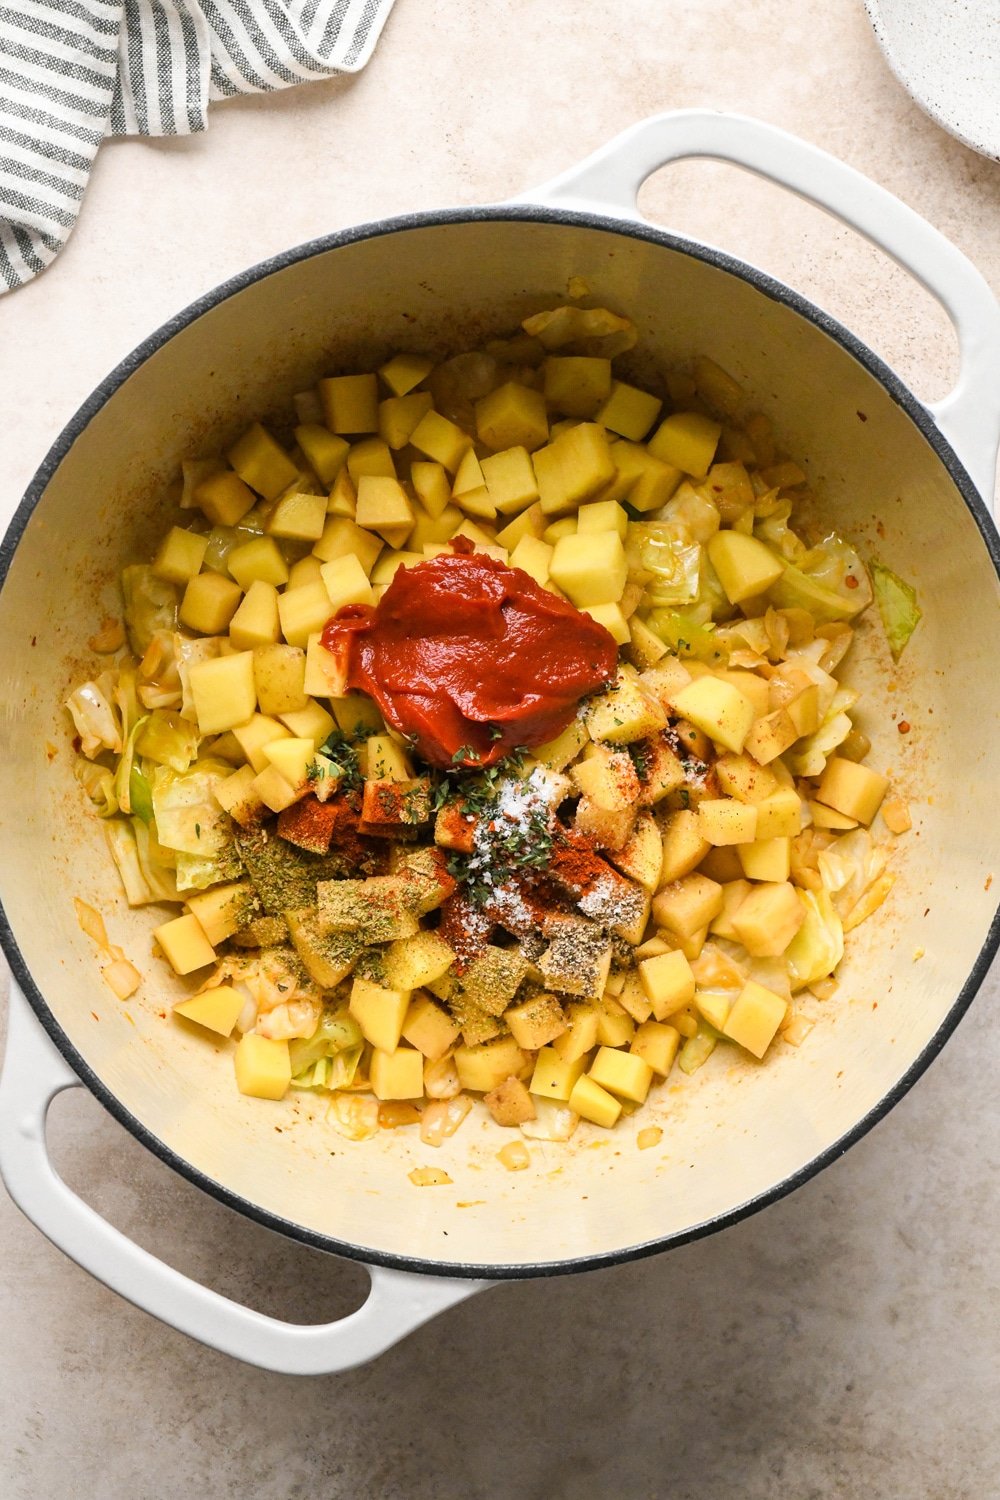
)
(734, 1132)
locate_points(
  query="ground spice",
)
(466, 929)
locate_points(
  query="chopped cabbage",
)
(589, 330)
(195, 872)
(187, 652)
(829, 580)
(669, 567)
(95, 722)
(143, 877)
(99, 784)
(167, 739)
(897, 604)
(150, 605)
(818, 946)
(685, 634)
(131, 787)
(188, 818)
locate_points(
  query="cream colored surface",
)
(872, 1264)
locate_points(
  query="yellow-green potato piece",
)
(721, 820)
(217, 1009)
(303, 612)
(223, 497)
(533, 557)
(629, 411)
(291, 758)
(379, 1012)
(325, 453)
(625, 1074)
(441, 440)
(686, 906)
(755, 1017)
(350, 403)
(279, 679)
(767, 919)
(263, 1067)
(262, 463)
(668, 981)
(180, 555)
(780, 814)
(384, 506)
(766, 859)
(298, 515)
(221, 910)
(576, 385)
(657, 1045)
(687, 440)
(223, 691)
(590, 569)
(745, 566)
(405, 371)
(481, 1068)
(399, 415)
(852, 789)
(513, 416)
(309, 723)
(510, 479)
(641, 857)
(684, 848)
(429, 1028)
(256, 621)
(613, 620)
(184, 944)
(555, 1076)
(398, 1074)
(593, 1103)
(602, 515)
(718, 709)
(209, 603)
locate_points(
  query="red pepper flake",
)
(850, 581)
(903, 726)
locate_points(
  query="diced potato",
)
(745, 566)
(433, 488)
(223, 691)
(260, 559)
(742, 777)
(291, 758)
(433, 530)
(718, 709)
(555, 1076)
(750, 685)
(405, 371)
(184, 944)
(274, 791)
(721, 820)
(576, 385)
(556, 754)
(734, 892)
(350, 403)
(593, 1103)
(222, 909)
(559, 529)
(343, 537)
(580, 1035)
(755, 1017)
(263, 1067)
(258, 731)
(370, 458)
(629, 411)
(574, 467)
(398, 1074)
(687, 905)
(771, 736)
(510, 1104)
(385, 760)
(297, 515)
(279, 678)
(303, 612)
(216, 1009)
(722, 863)
(325, 453)
(346, 582)
(536, 1022)
(380, 1013)
(852, 789)
(657, 1045)
(645, 647)
(644, 481)
(256, 622)
(224, 498)
(613, 620)
(510, 478)
(615, 1027)
(608, 777)
(713, 1006)
(687, 440)
(356, 714)
(602, 516)
(767, 919)
(481, 1068)
(440, 440)
(180, 555)
(238, 796)
(626, 1074)
(513, 416)
(780, 814)
(766, 859)
(493, 978)
(684, 848)
(399, 415)
(343, 497)
(327, 957)
(607, 830)
(262, 463)
(633, 998)
(209, 603)
(641, 856)
(624, 712)
(429, 1028)
(383, 506)
(310, 723)
(668, 982)
(533, 557)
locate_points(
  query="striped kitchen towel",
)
(74, 71)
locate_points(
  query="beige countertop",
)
(843, 1343)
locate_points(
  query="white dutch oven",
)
(737, 1136)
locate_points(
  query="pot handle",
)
(34, 1072)
(610, 179)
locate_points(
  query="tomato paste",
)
(471, 658)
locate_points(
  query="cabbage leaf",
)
(150, 605)
(897, 605)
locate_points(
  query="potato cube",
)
(780, 814)
(641, 856)
(383, 506)
(629, 411)
(263, 1067)
(346, 582)
(440, 440)
(510, 478)
(343, 537)
(405, 371)
(625, 1074)
(223, 691)
(260, 559)
(688, 441)
(262, 463)
(356, 714)
(602, 516)
(492, 980)
(303, 612)
(580, 1036)
(721, 820)
(312, 722)
(398, 1074)
(645, 647)
(184, 944)
(325, 453)
(429, 1028)
(343, 497)
(684, 848)
(209, 603)
(660, 769)
(608, 830)
(826, 817)
(380, 1013)
(766, 859)
(399, 415)
(644, 481)
(370, 458)
(238, 796)
(657, 1045)
(755, 1017)
(632, 996)
(771, 736)
(532, 557)
(613, 620)
(559, 529)
(291, 758)
(768, 918)
(432, 486)
(740, 776)
(608, 778)
(576, 385)
(625, 711)
(750, 685)
(350, 403)
(255, 622)
(734, 893)
(554, 1076)
(224, 498)
(593, 1103)
(510, 1103)
(718, 709)
(216, 1009)
(259, 730)
(575, 466)
(513, 416)
(221, 910)
(536, 1022)
(615, 1027)
(556, 754)
(745, 566)
(275, 791)
(852, 789)
(279, 677)
(481, 1068)
(181, 555)
(385, 760)
(687, 905)
(298, 515)
(668, 982)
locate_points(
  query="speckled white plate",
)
(946, 54)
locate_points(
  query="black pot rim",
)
(768, 287)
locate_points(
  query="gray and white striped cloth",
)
(74, 71)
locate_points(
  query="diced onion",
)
(442, 1118)
(122, 977)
